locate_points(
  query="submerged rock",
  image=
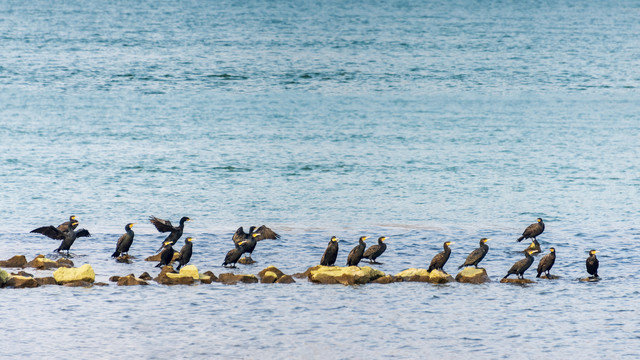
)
(590, 279)
(413, 274)
(20, 282)
(285, 279)
(349, 275)
(65, 262)
(145, 276)
(40, 262)
(22, 273)
(114, 278)
(550, 277)
(471, 275)
(47, 280)
(83, 273)
(517, 281)
(125, 259)
(247, 261)
(231, 279)
(18, 261)
(79, 283)
(212, 277)
(131, 280)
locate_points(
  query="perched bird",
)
(250, 243)
(438, 261)
(253, 236)
(165, 226)
(331, 253)
(355, 255)
(592, 264)
(476, 255)
(546, 263)
(374, 251)
(521, 266)
(57, 233)
(234, 255)
(532, 231)
(185, 253)
(534, 247)
(125, 241)
(70, 237)
(166, 256)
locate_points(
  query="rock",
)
(246, 261)
(285, 279)
(48, 280)
(471, 275)
(590, 279)
(18, 261)
(550, 277)
(211, 275)
(42, 263)
(145, 276)
(230, 278)
(269, 277)
(20, 282)
(350, 275)
(439, 277)
(156, 257)
(64, 262)
(83, 273)
(167, 269)
(130, 280)
(517, 281)
(190, 270)
(413, 274)
(114, 278)
(22, 273)
(79, 283)
(125, 259)
(100, 284)
(168, 278)
(205, 279)
(272, 269)
(387, 279)
(4, 276)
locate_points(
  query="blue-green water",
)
(422, 121)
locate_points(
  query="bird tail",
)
(520, 238)
(116, 254)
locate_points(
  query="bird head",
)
(552, 250)
(334, 239)
(382, 238)
(540, 220)
(593, 252)
(484, 240)
(189, 239)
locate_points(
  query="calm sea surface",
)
(424, 121)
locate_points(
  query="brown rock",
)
(590, 279)
(517, 281)
(211, 275)
(167, 269)
(413, 274)
(114, 278)
(167, 278)
(285, 279)
(387, 279)
(18, 261)
(230, 278)
(64, 262)
(22, 273)
(269, 277)
(471, 275)
(156, 257)
(130, 280)
(550, 277)
(145, 276)
(48, 280)
(125, 259)
(20, 282)
(272, 269)
(100, 284)
(246, 261)
(40, 262)
(79, 283)
(440, 277)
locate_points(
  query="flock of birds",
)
(245, 243)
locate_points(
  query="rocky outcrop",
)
(285, 279)
(190, 270)
(18, 261)
(83, 273)
(272, 275)
(413, 274)
(145, 276)
(517, 281)
(232, 279)
(20, 282)
(47, 280)
(471, 275)
(131, 280)
(349, 275)
(40, 262)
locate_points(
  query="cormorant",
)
(165, 226)
(167, 254)
(125, 241)
(355, 255)
(521, 266)
(185, 253)
(330, 255)
(250, 244)
(438, 261)
(234, 254)
(532, 231)
(545, 264)
(374, 251)
(263, 233)
(70, 237)
(534, 247)
(476, 255)
(57, 233)
(592, 264)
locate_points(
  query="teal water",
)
(422, 121)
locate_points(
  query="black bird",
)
(592, 264)
(355, 255)
(125, 241)
(374, 251)
(234, 254)
(521, 266)
(263, 233)
(545, 264)
(438, 261)
(165, 226)
(57, 233)
(534, 247)
(185, 253)
(330, 255)
(476, 255)
(532, 231)
(250, 244)
(167, 254)
(70, 237)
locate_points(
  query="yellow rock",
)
(471, 275)
(439, 277)
(269, 277)
(82, 273)
(414, 274)
(190, 270)
(350, 275)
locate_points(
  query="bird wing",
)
(266, 233)
(82, 233)
(239, 235)
(371, 250)
(120, 240)
(49, 231)
(162, 225)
